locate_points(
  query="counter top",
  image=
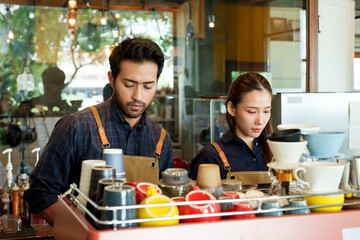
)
(29, 232)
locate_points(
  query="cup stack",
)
(175, 182)
(98, 173)
(85, 177)
(119, 196)
(102, 184)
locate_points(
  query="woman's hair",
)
(244, 84)
(136, 50)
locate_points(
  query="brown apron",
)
(246, 177)
(137, 168)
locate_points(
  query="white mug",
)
(320, 177)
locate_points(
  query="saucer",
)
(323, 157)
(283, 166)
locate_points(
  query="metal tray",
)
(73, 193)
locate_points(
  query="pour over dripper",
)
(286, 155)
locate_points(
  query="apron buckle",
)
(153, 163)
(228, 169)
(106, 145)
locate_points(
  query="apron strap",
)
(223, 158)
(158, 148)
(160, 142)
(103, 138)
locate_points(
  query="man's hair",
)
(136, 50)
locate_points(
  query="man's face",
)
(134, 88)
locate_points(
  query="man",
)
(136, 65)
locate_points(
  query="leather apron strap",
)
(223, 159)
(246, 177)
(101, 130)
(137, 168)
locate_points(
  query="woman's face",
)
(251, 114)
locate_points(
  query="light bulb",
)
(117, 15)
(72, 22)
(72, 4)
(212, 21)
(72, 19)
(107, 51)
(11, 35)
(31, 15)
(103, 19)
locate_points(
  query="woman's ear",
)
(230, 108)
(111, 79)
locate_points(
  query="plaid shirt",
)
(75, 138)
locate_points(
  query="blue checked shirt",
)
(237, 152)
(75, 138)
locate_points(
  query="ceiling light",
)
(212, 21)
(72, 4)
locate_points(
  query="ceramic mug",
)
(198, 195)
(153, 197)
(225, 205)
(241, 206)
(232, 194)
(320, 177)
(300, 203)
(273, 205)
(140, 190)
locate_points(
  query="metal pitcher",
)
(351, 176)
(354, 175)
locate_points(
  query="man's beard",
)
(123, 108)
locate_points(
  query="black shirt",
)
(237, 152)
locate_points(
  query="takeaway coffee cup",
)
(320, 177)
(98, 173)
(122, 195)
(114, 157)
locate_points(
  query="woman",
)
(244, 146)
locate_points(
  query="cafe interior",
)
(308, 50)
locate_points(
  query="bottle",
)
(24, 206)
(5, 203)
(35, 219)
(15, 203)
(9, 175)
(23, 178)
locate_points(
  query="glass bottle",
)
(15, 202)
